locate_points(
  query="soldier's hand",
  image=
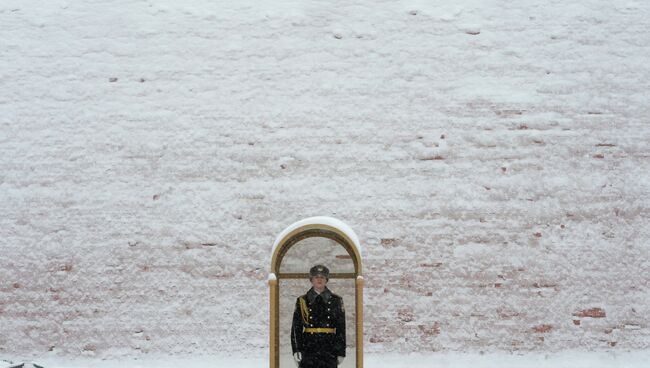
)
(297, 357)
(340, 360)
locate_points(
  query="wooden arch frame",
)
(325, 227)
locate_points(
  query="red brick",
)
(435, 264)
(593, 313)
(405, 315)
(542, 328)
(503, 313)
(430, 330)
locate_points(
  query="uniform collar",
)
(326, 295)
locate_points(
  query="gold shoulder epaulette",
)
(304, 311)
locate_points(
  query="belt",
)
(320, 330)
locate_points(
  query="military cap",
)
(319, 270)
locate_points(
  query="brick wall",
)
(492, 158)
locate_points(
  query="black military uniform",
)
(318, 328)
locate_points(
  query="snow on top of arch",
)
(319, 220)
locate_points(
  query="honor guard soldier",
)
(318, 328)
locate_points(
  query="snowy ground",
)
(449, 360)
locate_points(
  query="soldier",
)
(318, 328)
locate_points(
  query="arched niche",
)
(315, 227)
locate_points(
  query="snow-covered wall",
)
(492, 156)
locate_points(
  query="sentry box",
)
(315, 240)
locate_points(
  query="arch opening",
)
(287, 248)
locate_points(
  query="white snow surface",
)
(493, 157)
(566, 359)
(320, 220)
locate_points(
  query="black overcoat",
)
(325, 311)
